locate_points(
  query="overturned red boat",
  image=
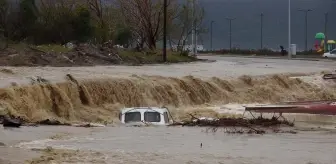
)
(307, 107)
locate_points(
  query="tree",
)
(3, 16)
(181, 27)
(54, 14)
(3, 13)
(123, 21)
(28, 15)
(70, 15)
(145, 19)
(123, 36)
(96, 8)
(82, 24)
(5, 22)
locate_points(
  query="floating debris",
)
(89, 125)
(11, 122)
(258, 125)
(52, 122)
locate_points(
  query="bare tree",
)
(97, 7)
(181, 27)
(145, 18)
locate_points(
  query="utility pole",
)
(325, 30)
(306, 27)
(164, 54)
(230, 33)
(193, 35)
(289, 31)
(261, 30)
(211, 24)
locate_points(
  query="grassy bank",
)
(133, 57)
(84, 55)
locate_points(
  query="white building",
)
(189, 48)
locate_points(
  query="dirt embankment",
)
(80, 55)
(100, 99)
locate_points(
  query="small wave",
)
(36, 144)
(45, 143)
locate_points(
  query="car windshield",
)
(132, 117)
(152, 117)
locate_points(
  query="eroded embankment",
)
(100, 99)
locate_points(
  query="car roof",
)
(144, 109)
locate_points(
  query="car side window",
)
(333, 52)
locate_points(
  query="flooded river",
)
(166, 145)
(163, 145)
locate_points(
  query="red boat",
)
(307, 107)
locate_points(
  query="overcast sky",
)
(246, 27)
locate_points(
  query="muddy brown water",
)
(165, 145)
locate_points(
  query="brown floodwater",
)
(165, 145)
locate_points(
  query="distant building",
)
(189, 48)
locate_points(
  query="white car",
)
(145, 115)
(331, 54)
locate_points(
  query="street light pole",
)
(211, 24)
(230, 33)
(306, 27)
(261, 30)
(325, 30)
(193, 35)
(289, 30)
(164, 55)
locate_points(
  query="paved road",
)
(296, 57)
(224, 67)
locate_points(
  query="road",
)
(224, 67)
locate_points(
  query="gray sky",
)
(246, 27)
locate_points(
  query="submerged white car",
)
(331, 54)
(145, 116)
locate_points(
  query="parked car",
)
(331, 54)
